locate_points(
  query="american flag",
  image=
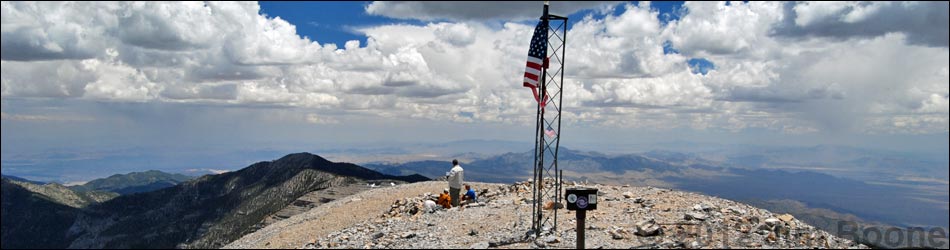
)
(550, 132)
(536, 57)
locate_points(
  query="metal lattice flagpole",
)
(547, 178)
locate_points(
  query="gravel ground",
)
(296, 231)
(627, 217)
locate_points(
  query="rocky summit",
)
(626, 217)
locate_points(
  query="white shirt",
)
(455, 177)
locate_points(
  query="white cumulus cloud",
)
(778, 66)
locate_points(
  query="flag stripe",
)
(531, 78)
(534, 65)
(533, 71)
(535, 60)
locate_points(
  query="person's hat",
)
(445, 190)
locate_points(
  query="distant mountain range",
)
(578, 165)
(64, 195)
(136, 182)
(122, 184)
(207, 212)
(21, 179)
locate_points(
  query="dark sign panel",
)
(581, 199)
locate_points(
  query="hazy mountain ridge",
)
(64, 195)
(135, 182)
(14, 178)
(857, 163)
(513, 167)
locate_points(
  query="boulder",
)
(695, 216)
(752, 219)
(695, 245)
(737, 211)
(703, 207)
(647, 204)
(648, 228)
(744, 229)
(771, 222)
(539, 243)
(764, 227)
(786, 218)
(627, 195)
(616, 235)
(782, 230)
(550, 205)
(480, 245)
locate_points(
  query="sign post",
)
(580, 200)
(581, 217)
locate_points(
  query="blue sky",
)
(333, 22)
(94, 78)
(327, 22)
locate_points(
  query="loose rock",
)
(786, 218)
(627, 195)
(648, 228)
(480, 245)
(771, 222)
(695, 216)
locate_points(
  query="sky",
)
(83, 77)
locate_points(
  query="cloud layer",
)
(790, 67)
(467, 11)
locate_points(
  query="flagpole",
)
(539, 178)
(560, 96)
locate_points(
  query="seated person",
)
(471, 193)
(469, 196)
(444, 199)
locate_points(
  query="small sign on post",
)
(581, 200)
